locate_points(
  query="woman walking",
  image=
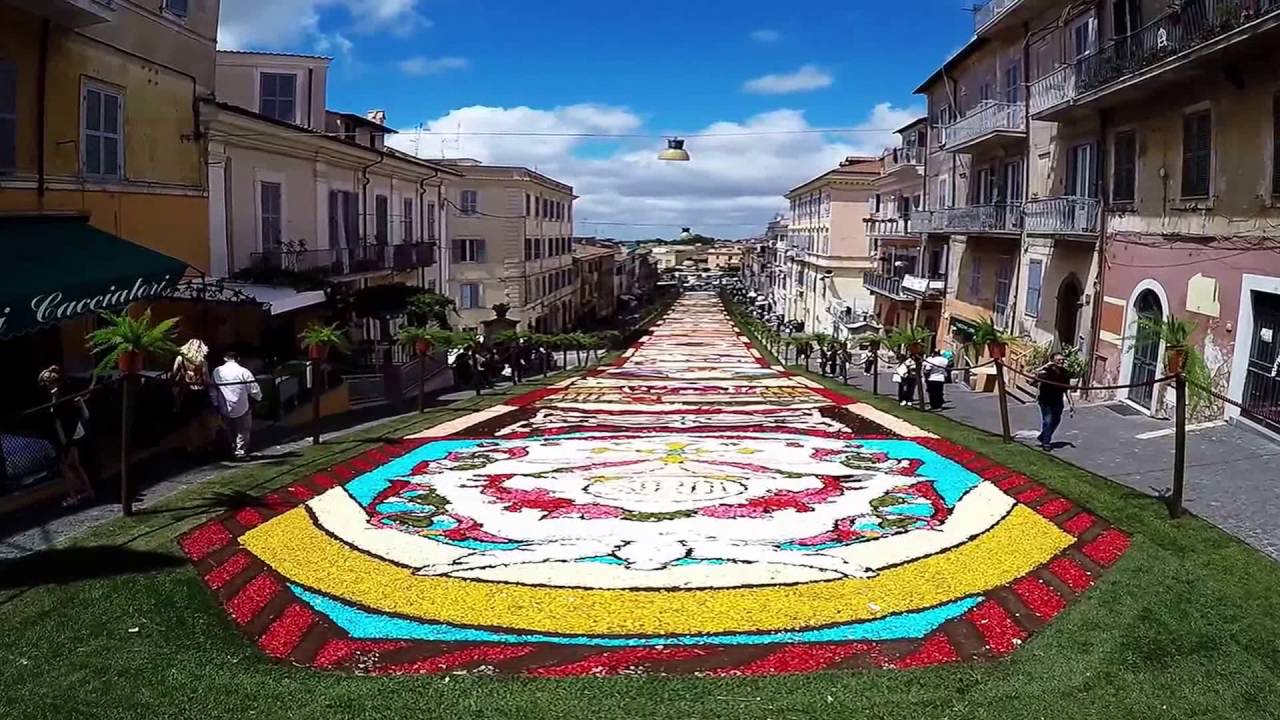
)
(68, 417)
(905, 375)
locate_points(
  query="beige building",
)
(724, 257)
(298, 188)
(511, 241)
(594, 263)
(831, 247)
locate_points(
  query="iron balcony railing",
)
(884, 284)
(986, 13)
(1062, 215)
(1187, 26)
(901, 156)
(891, 227)
(333, 262)
(987, 118)
(995, 217)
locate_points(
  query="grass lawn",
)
(1186, 625)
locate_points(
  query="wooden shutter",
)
(480, 250)
(8, 116)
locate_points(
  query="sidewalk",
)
(1232, 478)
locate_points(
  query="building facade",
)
(511, 242)
(831, 250)
(724, 258)
(594, 267)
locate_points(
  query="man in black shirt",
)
(1054, 380)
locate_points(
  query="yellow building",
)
(98, 116)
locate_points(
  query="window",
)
(528, 248)
(1035, 271)
(1083, 37)
(1126, 16)
(278, 96)
(944, 192)
(102, 127)
(982, 187)
(407, 220)
(537, 248)
(1124, 180)
(1004, 276)
(470, 202)
(431, 221)
(527, 204)
(8, 116)
(381, 219)
(177, 7)
(1013, 185)
(975, 278)
(1275, 140)
(344, 219)
(1013, 82)
(984, 93)
(1080, 171)
(270, 211)
(1197, 149)
(469, 296)
(468, 250)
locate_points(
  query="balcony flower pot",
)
(318, 352)
(997, 350)
(1175, 359)
(129, 362)
(422, 347)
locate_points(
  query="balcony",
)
(891, 228)
(1062, 216)
(888, 285)
(342, 261)
(986, 14)
(1166, 49)
(989, 123)
(996, 218)
(903, 157)
(70, 13)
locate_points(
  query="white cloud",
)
(281, 24)
(732, 187)
(808, 77)
(335, 43)
(432, 66)
(766, 36)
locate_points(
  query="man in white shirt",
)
(233, 387)
(937, 371)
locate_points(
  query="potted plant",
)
(127, 340)
(911, 338)
(1175, 333)
(424, 338)
(318, 339)
(501, 309)
(996, 340)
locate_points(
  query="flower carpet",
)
(687, 510)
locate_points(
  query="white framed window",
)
(102, 131)
(270, 215)
(1080, 170)
(177, 7)
(1014, 189)
(470, 202)
(470, 296)
(431, 221)
(1082, 36)
(984, 183)
(278, 96)
(8, 116)
(468, 250)
(944, 191)
(344, 218)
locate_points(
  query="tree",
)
(430, 307)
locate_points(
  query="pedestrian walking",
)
(190, 377)
(905, 376)
(937, 373)
(232, 390)
(1054, 380)
(69, 418)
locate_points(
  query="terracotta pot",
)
(318, 352)
(997, 350)
(1174, 359)
(915, 348)
(422, 347)
(130, 362)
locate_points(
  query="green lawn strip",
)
(1185, 626)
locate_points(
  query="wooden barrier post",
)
(126, 418)
(316, 370)
(1179, 446)
(875, 369)
(1004, 402)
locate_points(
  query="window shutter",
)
(1275, 145)
(480, 250)
(8, 115)
(335, 227)
(455, 250)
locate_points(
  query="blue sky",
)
(647, 67)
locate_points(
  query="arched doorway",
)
(1146, 348)
(1067, 324)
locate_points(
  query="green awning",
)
(56, 268)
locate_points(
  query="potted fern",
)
(127, 340)
(996, 340)
(317, 339)
(911, 338)
(1175, 333)
(424, 338)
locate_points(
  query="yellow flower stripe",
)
(295, 547)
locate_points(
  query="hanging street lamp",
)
(675, 151)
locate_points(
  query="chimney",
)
(378, 116)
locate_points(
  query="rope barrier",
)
(1215, 394)
(1085, 388)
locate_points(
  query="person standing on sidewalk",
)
(905, 375)
(1054, 380)
(937, 371)
(233, 387)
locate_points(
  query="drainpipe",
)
(1025, 95)
(422, 215)
(311, 88)
(41, 109)
(1099, 281)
